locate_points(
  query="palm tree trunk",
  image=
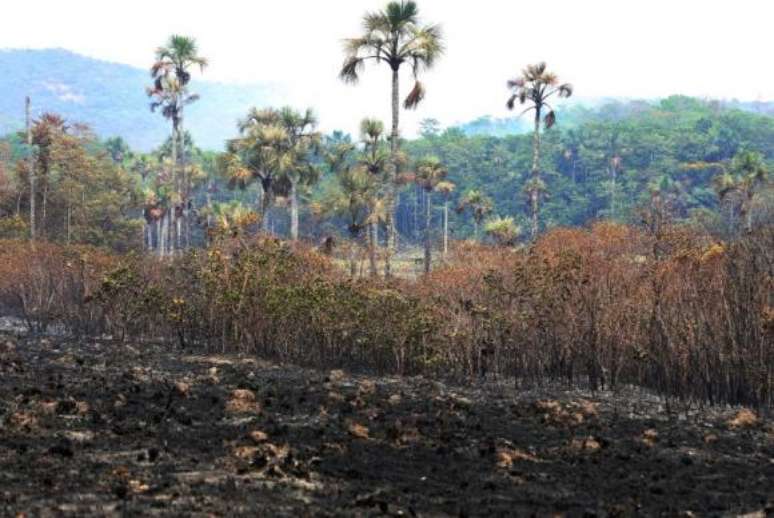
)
(45, 206)
(265, 204)
(149, 236)
(535, 174)
(428, 244)
(175, 180)
(293, 211)
(748, 212)
(391, 233)
(353, 255)
(373, 240)
(159, 242)
(182, 225)
(31, 167)
(178, 231)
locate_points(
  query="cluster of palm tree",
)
(394, 37)
(275, 149)
(279, 150)
(170, 94)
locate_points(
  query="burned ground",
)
(106, 429)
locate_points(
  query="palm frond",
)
(550, 119)
(565, 90)
(350, 70)
(415, 96)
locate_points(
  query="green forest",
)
(605, 163)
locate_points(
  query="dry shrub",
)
(672, 309)
(48, 285)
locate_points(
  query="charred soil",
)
(92, 428)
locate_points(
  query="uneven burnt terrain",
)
(107, 429)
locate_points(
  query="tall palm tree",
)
(479, 204)
(171, 75)
(30, 164)
(375, 160)
(394, 36)
(534, 87)
(302, 141)
(445, 188)
(429, 173)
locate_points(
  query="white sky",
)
(629, 48)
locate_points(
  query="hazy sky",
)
(631, 48)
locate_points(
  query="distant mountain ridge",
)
(110, 97)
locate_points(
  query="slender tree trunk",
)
(613, 189)
(534, 191)
(391, 231)
(428, 242)
(415, 225)
(373, 240)
(353, 255)
(159, 242)
(183, 227)
(44, 209)
(265, 204)
(209, 207)
(475, 228)
(446, 227)
(30, 166)
(175, 182)
(178, 231)
(149, 236)
(293, 211)
(748, 213)
(162, 230)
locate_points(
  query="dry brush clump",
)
(600, 307)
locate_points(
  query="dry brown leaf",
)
(507, 456)
(745, 418)
(358, 430)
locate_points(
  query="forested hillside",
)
(110, 97)
(598, 163)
